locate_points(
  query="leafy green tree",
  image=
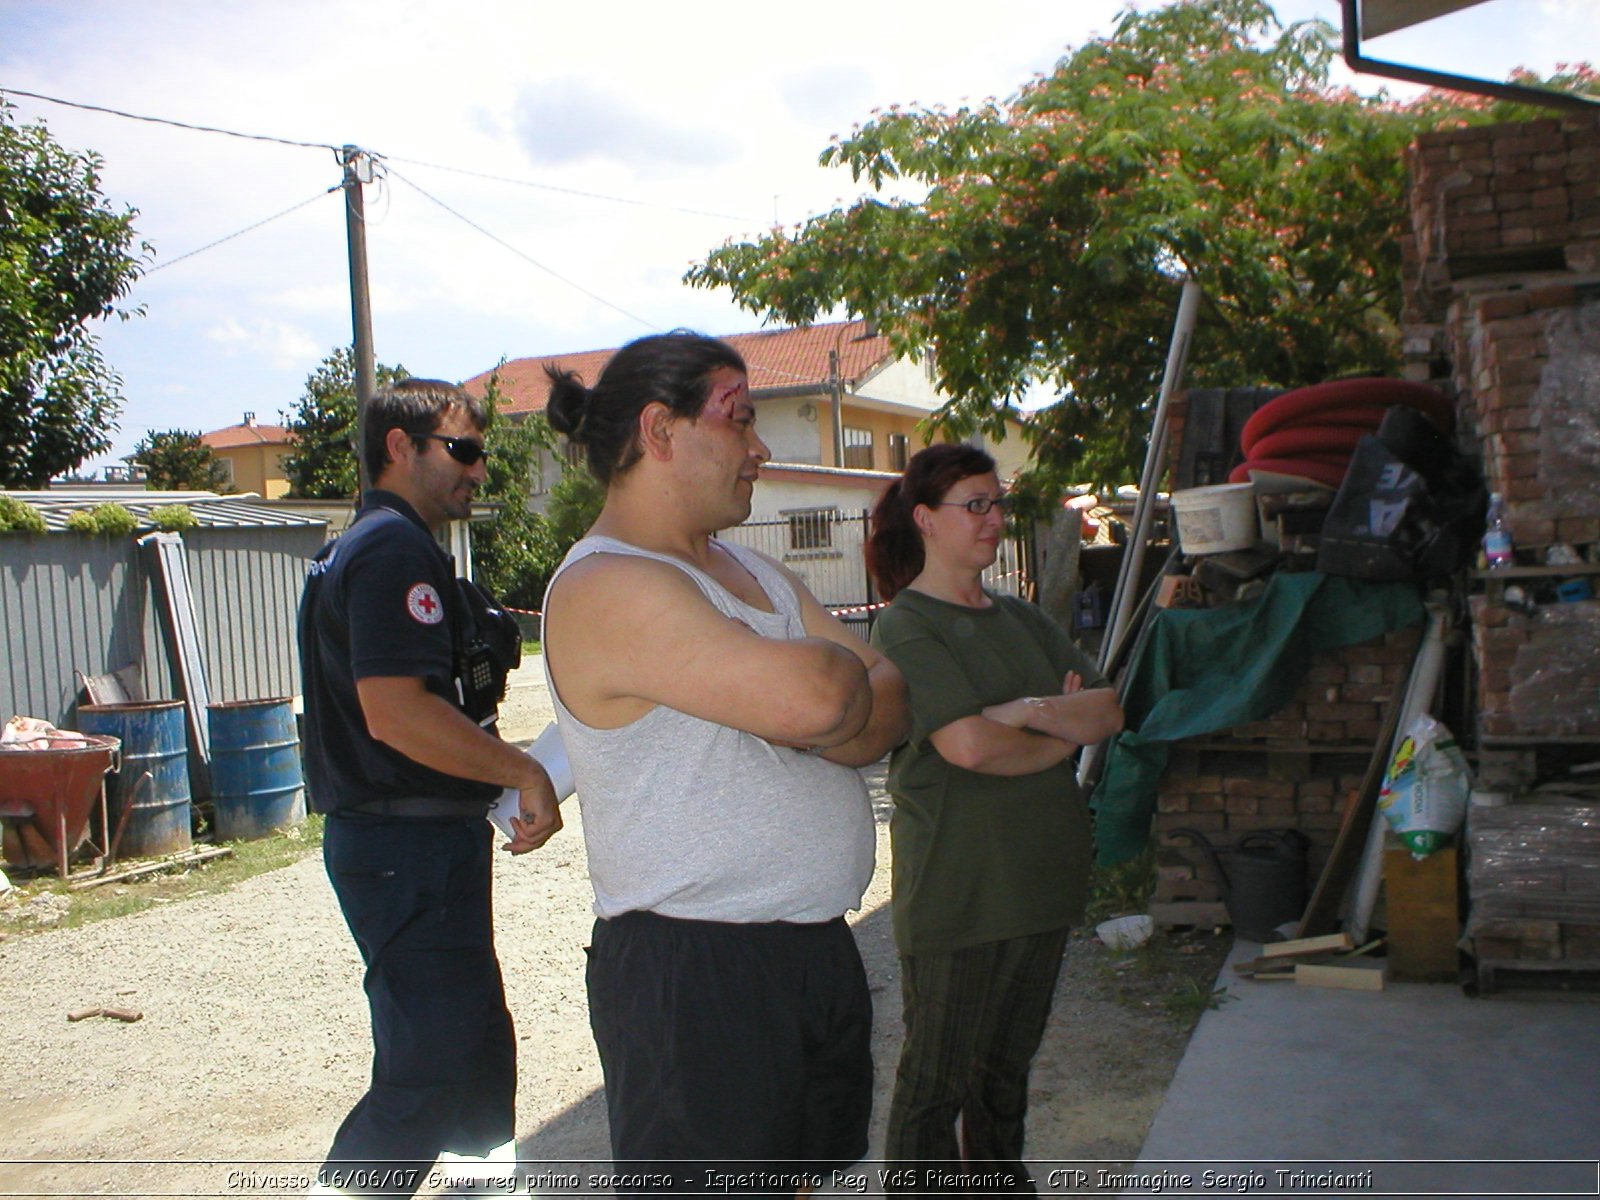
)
(575, 502)
(176, 460)
(509, 552)
(1203, 140)
(64, 261)
(515, 554)
(322, 465)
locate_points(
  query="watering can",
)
(1264, 881)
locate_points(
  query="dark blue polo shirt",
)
(379, 600)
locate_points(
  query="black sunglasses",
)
(464, 450)
(979, 506)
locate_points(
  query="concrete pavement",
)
(1418, 1089)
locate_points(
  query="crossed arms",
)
(628, 633)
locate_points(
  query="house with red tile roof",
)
(253, 454)
(797, 377)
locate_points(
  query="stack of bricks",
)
(1500, 199)
(1502, 308)
(1538, 671)
(1535, 885)
(1293, 769)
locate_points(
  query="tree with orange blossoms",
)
(1051, 231)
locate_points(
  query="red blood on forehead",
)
(725, 399)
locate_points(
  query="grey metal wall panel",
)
(71, 603)
(246, 586)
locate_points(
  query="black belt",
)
(419, 806)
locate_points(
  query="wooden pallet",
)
(1577, 977)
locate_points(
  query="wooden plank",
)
(1308, 945)
(1199, 913)
(1358, 976)
(187, 859)
(1423, 910)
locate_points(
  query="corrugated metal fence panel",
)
(72, 603)
(246, 585)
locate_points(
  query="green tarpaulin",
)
(1201, 670)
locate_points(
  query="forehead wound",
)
(725, 398)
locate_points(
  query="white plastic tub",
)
(1213, 519)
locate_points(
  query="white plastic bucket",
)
(1125, 933)
(1217, 518)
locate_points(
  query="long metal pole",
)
(836, 386)
(1154, 464)
(355, 216)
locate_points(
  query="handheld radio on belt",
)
(488, 647)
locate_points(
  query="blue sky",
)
(599, 150)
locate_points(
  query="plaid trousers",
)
(974, 1019)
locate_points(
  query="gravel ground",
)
(254, 1037)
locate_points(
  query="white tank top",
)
(687, 818)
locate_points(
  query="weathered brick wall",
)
(1291, 770)
(1500, 199)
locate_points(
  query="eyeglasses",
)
(464, 450)
(979, 506)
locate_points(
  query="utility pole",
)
(357, 171)
(836, 386)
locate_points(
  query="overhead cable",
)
(550, 187)
(245, 230)
(117, 112)
(499, 241)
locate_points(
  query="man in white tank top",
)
(716, 717)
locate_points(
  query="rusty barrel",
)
(153, 814)
(256, 784)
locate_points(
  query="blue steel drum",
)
(154, 814)
(256, 785)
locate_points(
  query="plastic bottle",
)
(1497, 547)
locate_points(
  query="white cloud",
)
(275, 343)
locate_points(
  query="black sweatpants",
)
(735, 1048)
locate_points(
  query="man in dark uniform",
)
(403, 757)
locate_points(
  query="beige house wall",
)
(257, 469)
(879, 425)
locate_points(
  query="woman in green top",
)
(990, 835)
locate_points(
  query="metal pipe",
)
(1144, 508)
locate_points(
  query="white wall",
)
(904, 382)
(791, 437)
(775, 498)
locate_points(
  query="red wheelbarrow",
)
(48, 796)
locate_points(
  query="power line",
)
(499, 241)
(242, 232)
(550, 187)
(117, 112)
(257, 137)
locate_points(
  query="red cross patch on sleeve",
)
(423, 603)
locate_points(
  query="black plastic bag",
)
(1411, 506)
